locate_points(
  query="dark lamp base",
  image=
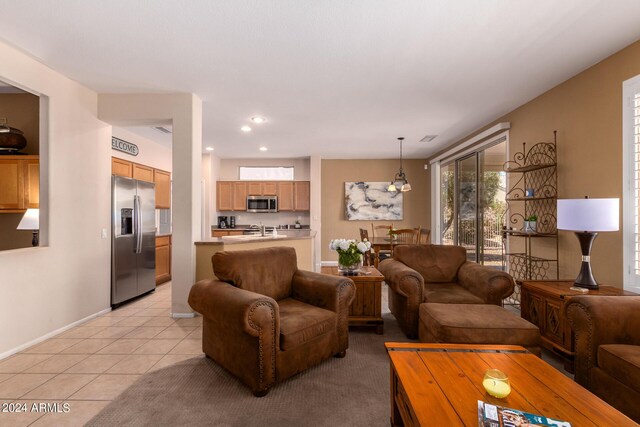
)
(585, 279)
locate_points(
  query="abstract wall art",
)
(371, 201)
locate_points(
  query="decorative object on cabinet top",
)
(12, 140)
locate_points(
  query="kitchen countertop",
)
(283, 235)
(163, 234)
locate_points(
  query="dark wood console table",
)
(542, 303)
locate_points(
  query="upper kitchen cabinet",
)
(142, 173)
(301, 196)
(121, 167)
(266, 188)
(162, 180)
(293, 196)
(231, 196)
(19, 183)
(285, 196)
(239, 196)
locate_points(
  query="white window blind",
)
(631, 180)
(635, 105)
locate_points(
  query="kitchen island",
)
(300, 240)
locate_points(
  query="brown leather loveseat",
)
(439, 274)
(607, 345)
(265, 320)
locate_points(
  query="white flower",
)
(344, 245)
(362, 247)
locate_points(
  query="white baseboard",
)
(51, 334)
(183, 315)
(329, 263)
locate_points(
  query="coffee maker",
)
(232, 221)
(223, 222)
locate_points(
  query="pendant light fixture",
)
(400, 176)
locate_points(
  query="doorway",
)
(472, 200)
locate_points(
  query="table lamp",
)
(587, 217)
(31, 221)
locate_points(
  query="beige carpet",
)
(353, 391)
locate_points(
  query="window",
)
(266, 173)
(631, 182)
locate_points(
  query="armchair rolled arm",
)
(597, 320)
(403, 279)
(487, 283)
(333, 293)
(237, 308)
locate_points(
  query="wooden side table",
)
(542, 303)
(366, 309)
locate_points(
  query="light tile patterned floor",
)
(89, 365)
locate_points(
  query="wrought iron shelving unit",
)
(533, 190)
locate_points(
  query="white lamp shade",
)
(30, 220)
(588, 214)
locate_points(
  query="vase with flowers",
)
(349, 254)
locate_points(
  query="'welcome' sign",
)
(124, 146)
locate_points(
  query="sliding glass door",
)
(472, 193)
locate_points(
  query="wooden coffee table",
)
(440, 384)
(366, 309)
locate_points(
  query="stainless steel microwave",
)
(262, 203)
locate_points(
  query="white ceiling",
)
(334, 78)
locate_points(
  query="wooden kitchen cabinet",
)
(239, 196)
(294, 196)
(221, 233)
(301, 195)
(285, 196)
(266, 188)
(143, 173)
(19, 183)
(163, 259)
(231, 196)
(121, 167)
(162, 179)
(224, 196)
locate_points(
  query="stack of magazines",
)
(497, 416)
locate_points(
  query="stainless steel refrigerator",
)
(133, 238)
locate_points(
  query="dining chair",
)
(407, 236)
(382, 231)
(424, 236)
(368, 257)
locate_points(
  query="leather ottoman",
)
(476, 324)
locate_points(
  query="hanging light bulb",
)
(400, 176)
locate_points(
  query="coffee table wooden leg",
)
(395, 419)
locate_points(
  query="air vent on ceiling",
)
(428, 138)
(162, 129)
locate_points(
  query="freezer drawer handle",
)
(137, 218)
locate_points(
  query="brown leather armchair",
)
(438, 273)
(607, 344)
(265, 320)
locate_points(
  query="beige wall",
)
(68, 279)
(586, 110)
(150, 153)
(336, 172)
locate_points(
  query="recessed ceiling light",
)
(258, 119)
(263, 148)
(209, 148)
(245, 128)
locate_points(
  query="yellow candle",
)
(496, 388)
